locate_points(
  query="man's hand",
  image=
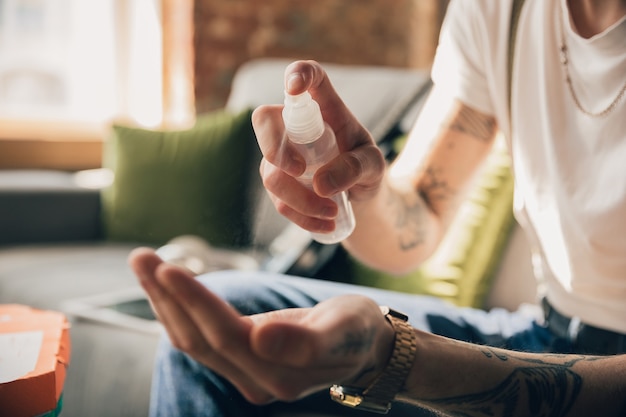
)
(359, 169)
(281, 355)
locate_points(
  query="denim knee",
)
(252, 292)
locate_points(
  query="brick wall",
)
(226, 33)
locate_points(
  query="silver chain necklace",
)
(570, 86)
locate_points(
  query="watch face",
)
(393, 313)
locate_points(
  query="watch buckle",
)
(338, 394)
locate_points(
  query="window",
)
(83, 61)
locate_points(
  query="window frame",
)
(76, 145)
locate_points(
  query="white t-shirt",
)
(570, 169)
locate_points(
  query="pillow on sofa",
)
(171, 183)
(462, 268)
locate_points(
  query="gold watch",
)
(382, 391)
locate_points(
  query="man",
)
(567, 136)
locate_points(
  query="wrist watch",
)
(382, 391)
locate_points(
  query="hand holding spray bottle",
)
(316, 142)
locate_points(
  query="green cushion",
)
(171, 183)
(462, 268)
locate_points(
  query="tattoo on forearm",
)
(473, 123)
(531, 388)
(409, 216)
(433, 188)
(567, 360)
(490, 353)
(543, 389)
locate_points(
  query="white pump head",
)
(303, 118)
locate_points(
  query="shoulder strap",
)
(516, 10)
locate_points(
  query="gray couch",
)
(53, 254)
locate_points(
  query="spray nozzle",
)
(298, 100)
(303, 118)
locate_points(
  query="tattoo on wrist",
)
(355, 343)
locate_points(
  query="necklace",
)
(570, 85)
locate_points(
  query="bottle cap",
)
(303, 118)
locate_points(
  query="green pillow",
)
(462, 268)
(171, 183)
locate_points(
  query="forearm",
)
(470, 380)
(403, 224)
(395, 231)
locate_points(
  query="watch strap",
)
(391, 381)
(379, 395)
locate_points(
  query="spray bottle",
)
(316, 142)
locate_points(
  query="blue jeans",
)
(183, 387)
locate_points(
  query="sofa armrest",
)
(46, 206)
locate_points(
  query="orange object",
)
(38, 342)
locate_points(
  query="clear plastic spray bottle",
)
(316, 142)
